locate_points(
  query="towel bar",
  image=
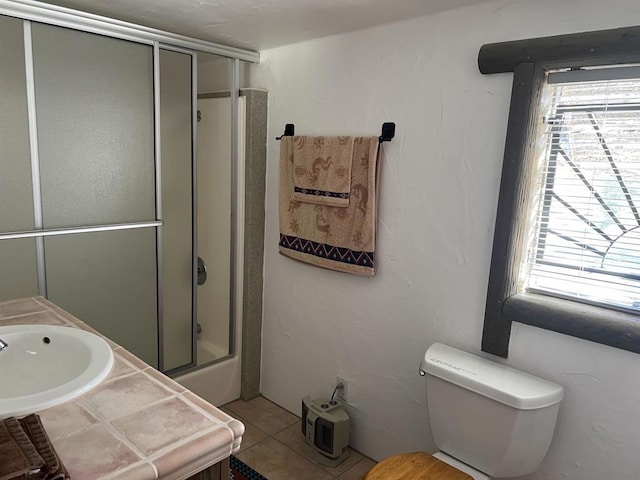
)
(388, 131)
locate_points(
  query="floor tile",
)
(292, 438)
(273, 445)
(266, 415)
(252, 434)
(358, 470)
(255, 403)
(276, 462)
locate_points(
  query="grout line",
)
(18, 315)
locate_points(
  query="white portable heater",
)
(325, 425)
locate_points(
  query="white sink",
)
(45, 365)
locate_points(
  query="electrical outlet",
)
(341, 393)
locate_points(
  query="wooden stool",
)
(414, 466)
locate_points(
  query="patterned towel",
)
(322, 170)
(338, 238)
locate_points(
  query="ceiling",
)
(261, 24)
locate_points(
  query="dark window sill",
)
(596, 324)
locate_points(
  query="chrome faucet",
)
(3, 344)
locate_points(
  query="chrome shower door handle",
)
(202, 271)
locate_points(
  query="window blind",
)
(584, 233)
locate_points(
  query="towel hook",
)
(388, 132)
(289, 130)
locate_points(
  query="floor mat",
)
(242, 471)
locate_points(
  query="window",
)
(566, 253)
(584, 236)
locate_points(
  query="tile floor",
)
(273, 445)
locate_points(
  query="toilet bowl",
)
(489, 421)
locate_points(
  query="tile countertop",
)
(137, 424)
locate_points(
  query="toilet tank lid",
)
(501, 383)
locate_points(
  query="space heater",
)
(325, 425)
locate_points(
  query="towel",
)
(322, 170)
(53, 469)
(338, 238)
(34, 458)
(18, 456)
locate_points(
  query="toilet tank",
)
(492, 417)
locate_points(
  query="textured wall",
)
(439, 188)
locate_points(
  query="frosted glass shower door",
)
(94, 103)
(18, 276)
(214, 226)
(18, 272)
(95, 122)
(176, 115)
(108, 279)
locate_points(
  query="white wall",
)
(438, 197)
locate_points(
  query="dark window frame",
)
(529, 61)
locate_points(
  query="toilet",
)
(487, 419)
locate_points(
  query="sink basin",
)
(45, 365)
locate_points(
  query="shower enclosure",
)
(101, 206)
